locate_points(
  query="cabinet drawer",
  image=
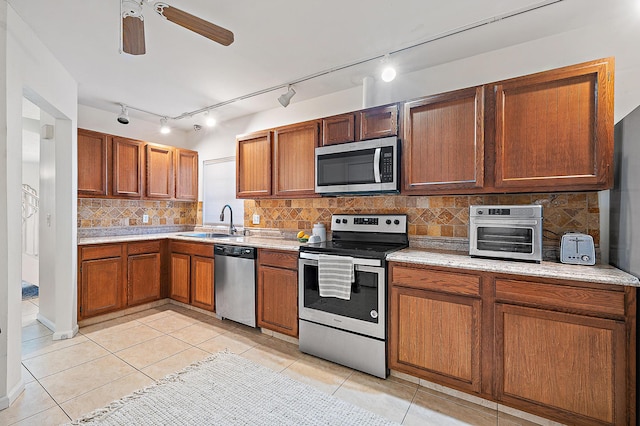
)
(427, 279)
(144, 247)
(101, 251)
(204, 249)
(280, 259)
(562, 297)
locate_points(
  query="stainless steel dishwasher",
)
(235, 283)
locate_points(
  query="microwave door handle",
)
(376, 165)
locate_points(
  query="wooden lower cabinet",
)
(143, 278)
(144, 272)
(560, 349)
(192, 274)
(102, 273)
(435, 334)
(202, 282)
(572, 363)
(180, 277)
(278, 291)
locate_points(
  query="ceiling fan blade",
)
(195, 24)
(133, 35)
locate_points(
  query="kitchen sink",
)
(208, 235)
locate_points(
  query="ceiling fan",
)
(133, 25)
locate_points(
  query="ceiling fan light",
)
(388, 74)
(164, 127)
(285, 98)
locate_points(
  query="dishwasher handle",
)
(234, 251)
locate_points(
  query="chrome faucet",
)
(232, 229)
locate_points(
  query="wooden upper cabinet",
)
(444, 143)
(160, 177)
(127, 167)
(294, 159)
(253, 165)
(554, 130)
(93, 155)
(370, 123)
(186, 175)
(339, 129)
(378, 122)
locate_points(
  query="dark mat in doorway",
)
(29, 291)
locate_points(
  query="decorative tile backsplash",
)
(436, 216)
(106, 213)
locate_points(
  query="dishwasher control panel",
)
(235, 251)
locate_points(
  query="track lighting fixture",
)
(123, 118)
(388, 71)
(210, 121)
(285, 98)
(164, 127)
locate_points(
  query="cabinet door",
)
(338, 129)
(571, 363)
(92, 163)
(160, 177)
(202, 293)
(554, 130)
(143, 278)
(127, 167)
(444, 143)
(253, 165)
(180, 277)
(294, 160)
(278, 300)
(102, 286)
(186, 175)
(379, 122)
(436, 336)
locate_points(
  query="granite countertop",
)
(253, 241)
(602, 274)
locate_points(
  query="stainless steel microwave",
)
(358, 167)
(510, 232)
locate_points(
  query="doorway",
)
(30, 201)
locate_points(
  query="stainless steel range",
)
(343, 291)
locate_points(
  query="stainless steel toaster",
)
(577, 249)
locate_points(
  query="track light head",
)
(285, 98)
(123, 118)
(164, 127)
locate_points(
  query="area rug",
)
(29, 291)
(226, 389)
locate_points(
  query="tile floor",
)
(105, 361)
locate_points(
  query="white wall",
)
(145, 130)
(615, 37)
(30, 264)
(33, 72)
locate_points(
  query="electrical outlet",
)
(145, 218)
(256, 219)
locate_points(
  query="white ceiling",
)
(277, 42)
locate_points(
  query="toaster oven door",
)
(507, 239)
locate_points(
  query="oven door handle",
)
(506, 223)
(356, 261)
(376, 165)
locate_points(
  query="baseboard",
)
(46, 322)
(14, 393)
(61, 335)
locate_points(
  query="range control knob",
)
(396, 222)
(585, 258)
(344, 220)
(388, 222)
(337, 220)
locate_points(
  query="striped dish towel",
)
(335, 275)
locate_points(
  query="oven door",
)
(364, 313)
(513, 239)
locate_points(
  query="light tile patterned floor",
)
(106, 361)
